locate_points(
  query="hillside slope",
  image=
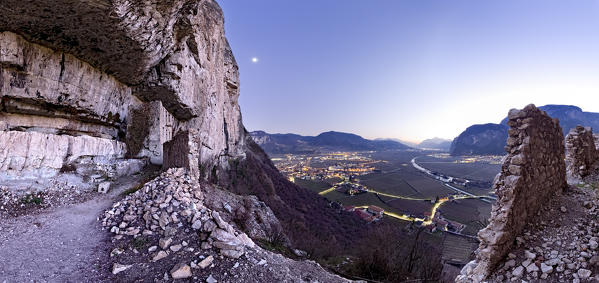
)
(327, 141)
(480, 139)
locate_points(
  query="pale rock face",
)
(131, 72)
(33, 75)
(36, 155)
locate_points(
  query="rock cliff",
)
(114, 80)
(96, 90)
(480, 139)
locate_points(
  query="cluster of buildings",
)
(350, 188)
(442, 224)
(341, 165)
(369, 213)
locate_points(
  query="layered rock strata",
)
(581, 153)
(533, 171)
(130, 74)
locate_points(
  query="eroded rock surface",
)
(133, 73)
(532, 173)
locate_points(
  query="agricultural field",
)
(390, 183)
(471, 212)
(402, 189)
(316, 186)
(456, 167)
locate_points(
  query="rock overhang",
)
(125, 38)
(173, 52)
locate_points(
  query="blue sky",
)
(409, 69)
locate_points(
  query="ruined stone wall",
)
(533, 171)
(581, 153)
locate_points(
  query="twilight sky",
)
(409, 69)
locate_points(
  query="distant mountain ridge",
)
(430, 144)
(480, 139)
(491, 138)
(327, 141)
(435, 143)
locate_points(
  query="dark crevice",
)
(226, 136)
(61, 67)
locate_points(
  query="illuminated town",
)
(341, 165)
(343, 171)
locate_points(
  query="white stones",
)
(152, 249)
(518, 271)
(593, 244)
(206, 262)
(563, 209)
(552, 262)
(181, 271)
(510, 263)
(164, 243)
(211, 279)
(118, 268)
(532, 268)
(103, 187)
(197, 225)
(116, 252)
(529, 255)
(160, 255)
(584, 273)
(546, 268)
(176, 248)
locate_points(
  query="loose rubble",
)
(167, 232)
(168, 204)
(564, 244)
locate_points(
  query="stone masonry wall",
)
(581, 154)
(532, 172)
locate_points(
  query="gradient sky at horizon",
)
(412, 69)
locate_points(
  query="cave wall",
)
(533, 171)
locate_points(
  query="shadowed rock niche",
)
(109, 82)
(533, 171)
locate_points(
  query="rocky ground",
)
(62, 243)
(164, 231)
(560, 245)
(160, 232)
(27, 199)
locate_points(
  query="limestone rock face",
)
(35, 155)
(581, 154)
(533, 171)
(130, 72)
(35, 80)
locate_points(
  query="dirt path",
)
(59, 245)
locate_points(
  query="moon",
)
(254, 59)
